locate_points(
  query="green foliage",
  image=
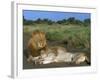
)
(75, 33)
(87, 22)
(75, 36)
(26, 30)
(27, 22)
(55, 35)
(68, 21)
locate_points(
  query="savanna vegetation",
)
(71, 33)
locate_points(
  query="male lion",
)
(36, 43)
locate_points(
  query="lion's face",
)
(39, 39)
(37, 43)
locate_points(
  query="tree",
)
(87, 22)
(38, 20)
(27, 22)
(71, 20)
(62, 21)
(78, 22)
(47, 21)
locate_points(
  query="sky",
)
(53, 15)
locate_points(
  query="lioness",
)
(51, 55)
(80, 57)
(60, 54)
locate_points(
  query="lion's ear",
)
(34, 32)
(38, 32)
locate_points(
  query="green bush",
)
(75, 36)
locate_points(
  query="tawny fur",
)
(59, 54)
(36, 43)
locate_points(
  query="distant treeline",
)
(71, 20)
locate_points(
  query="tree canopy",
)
(71, 20)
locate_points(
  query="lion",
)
(36, 43)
